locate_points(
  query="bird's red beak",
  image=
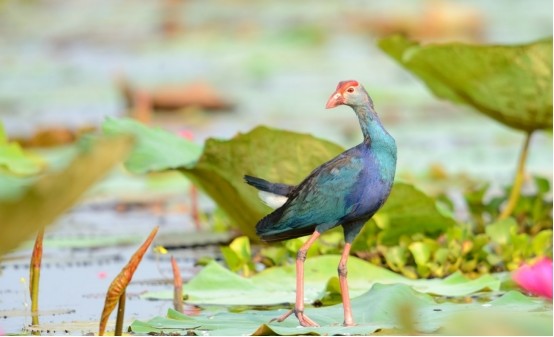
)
(335, 100)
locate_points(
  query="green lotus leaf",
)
(156, 149)
(216, 285)
(509, 83)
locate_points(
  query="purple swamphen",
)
(347, 191)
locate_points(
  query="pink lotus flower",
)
(187, 134)
(536, 278)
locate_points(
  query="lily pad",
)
(510, 83)
(216, 285)
(395, 307)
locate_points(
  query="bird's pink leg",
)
(343, 271)
(299, 306)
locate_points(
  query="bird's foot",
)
(302, 319)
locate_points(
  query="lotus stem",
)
(34, 278)
(120, 315)
(518, 180)
(195, 211)
(177, 286)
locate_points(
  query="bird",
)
(346, 190)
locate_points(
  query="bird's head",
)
(348, 93)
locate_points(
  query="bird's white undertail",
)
(272, 200)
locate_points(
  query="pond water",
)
(278, 62)
(87, 248)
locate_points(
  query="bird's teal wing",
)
(321, 199)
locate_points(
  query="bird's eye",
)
(350, 90)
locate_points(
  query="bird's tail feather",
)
(266, 186)
(270, 228)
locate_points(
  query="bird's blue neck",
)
(377, 140)
(372, 129)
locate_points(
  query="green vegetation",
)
(511, 84)
(413, 234)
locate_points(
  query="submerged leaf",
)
(512, 84)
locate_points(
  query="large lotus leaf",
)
(385, 307)
(409, 211)
(51, 195)
(156, 149)
(510, 83)
(217, 285)
(271, 154)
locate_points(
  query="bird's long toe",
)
(303, 319)
(282, 317)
